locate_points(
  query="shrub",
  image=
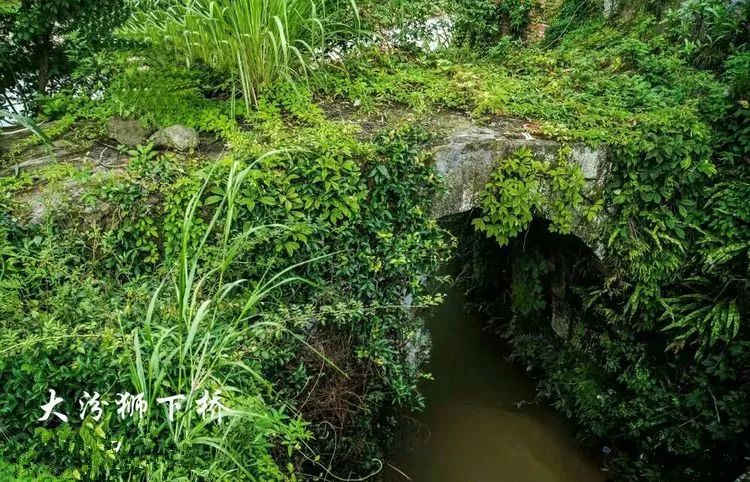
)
(709, 30)
(361, 204)
(522, 188)
(484, 22)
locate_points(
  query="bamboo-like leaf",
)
(252, 39)
(31, 126)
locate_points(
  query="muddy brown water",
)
(472, 429)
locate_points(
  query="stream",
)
(472, 429)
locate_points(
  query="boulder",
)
(45, 199)
(177, 137)
(127, 131)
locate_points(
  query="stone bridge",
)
(467, 154)
(466, 158)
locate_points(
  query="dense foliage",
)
(284, 268)
(77, 312)
(42, 41)
(657, 366)
(522, 188)
(254, 43)
(114, 291)
(485, 22)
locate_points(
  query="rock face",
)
(53, 199)
(127, 131)
(562, 311)
(468, 155)
(176, 137)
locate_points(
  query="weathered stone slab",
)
(468, 156)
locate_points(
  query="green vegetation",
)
(523, 188)
(655, 363)
(162, 279)
(41, 41)
(485, 22)
(661, 335)
(284, 262)
(314, 216)
(255, 42)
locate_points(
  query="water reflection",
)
(473, 429)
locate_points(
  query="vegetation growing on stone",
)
(285, 260)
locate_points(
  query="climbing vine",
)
(522, 188)
(654, 365)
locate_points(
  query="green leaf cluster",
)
(522, 188)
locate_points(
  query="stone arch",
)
(467, 156)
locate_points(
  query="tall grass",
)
(256, 42)
(191, 340)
